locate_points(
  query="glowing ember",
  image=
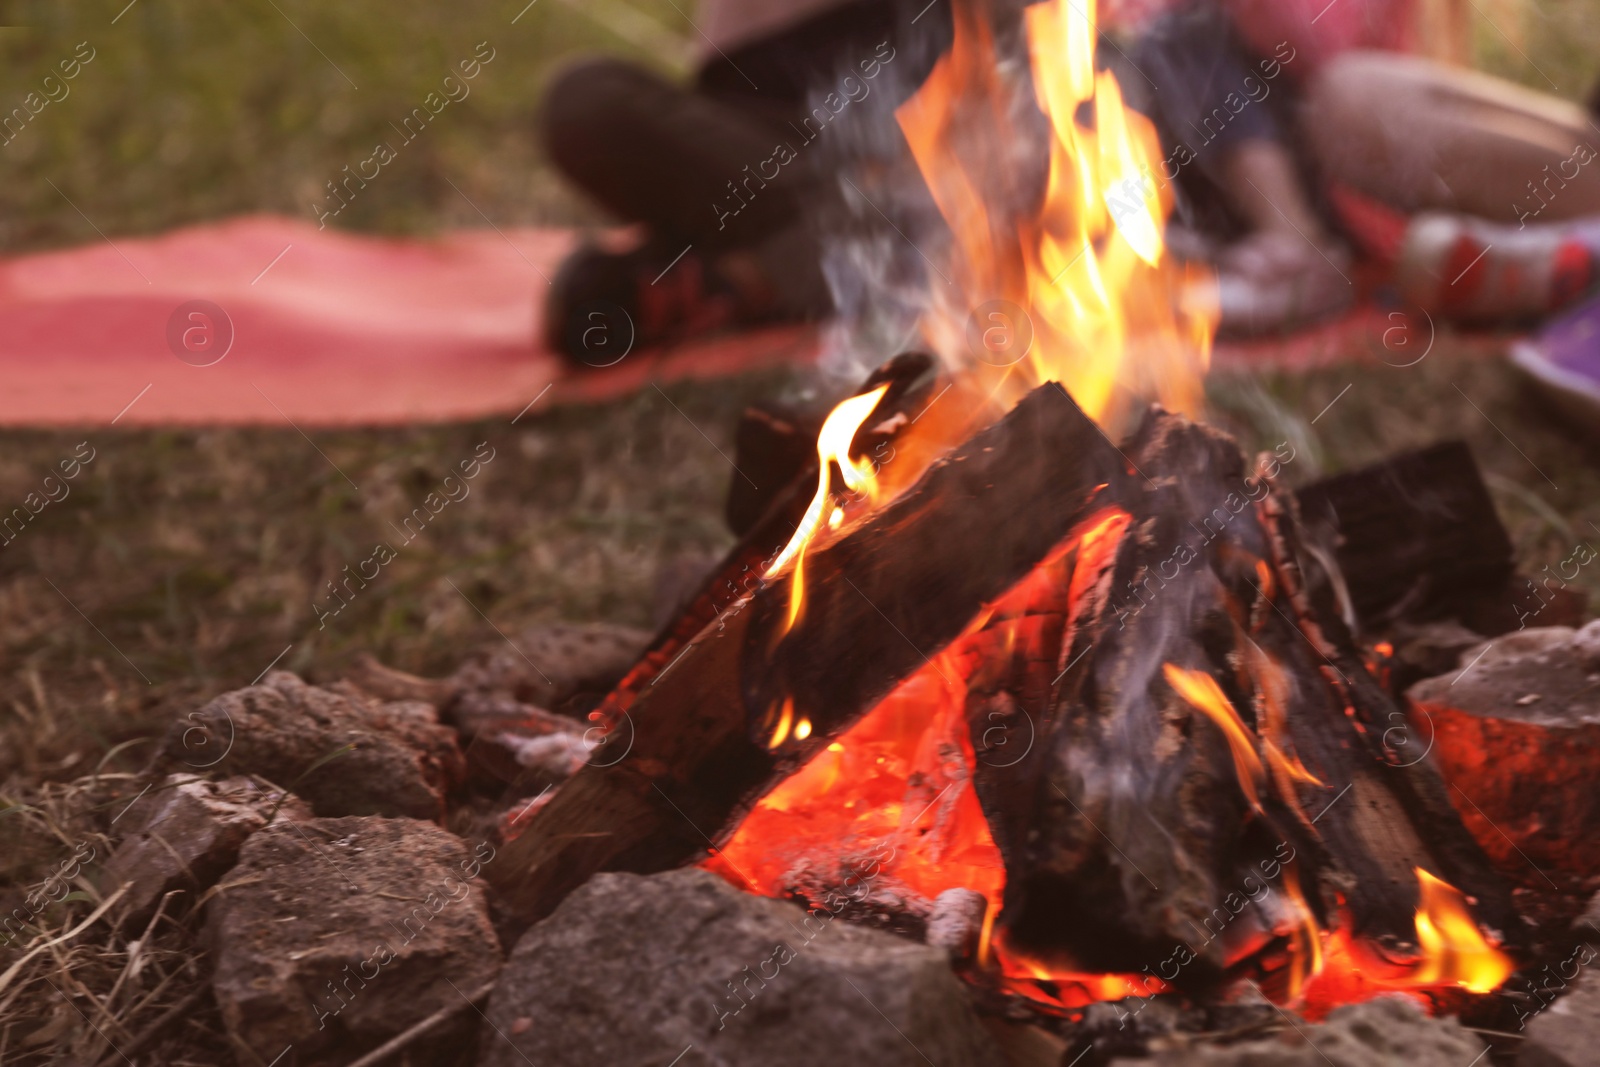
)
(1106, 320)
(901, 776)
(1454, 954)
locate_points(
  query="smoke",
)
(887, 253)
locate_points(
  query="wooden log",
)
(772, 448)
(1415, 536)
(1139, 831)
(881, 602)
(686, 763)
(1393, 750)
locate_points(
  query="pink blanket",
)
(263, 320)
(269, 320)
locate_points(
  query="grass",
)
(184, 562)
(193, 112)
(190, 112)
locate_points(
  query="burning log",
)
(697, 739)
(1201, 734)
(1209, 734)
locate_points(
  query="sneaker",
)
(603, 304)
(1270, 282)
(1483, 272)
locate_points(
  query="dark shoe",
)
(602, 305)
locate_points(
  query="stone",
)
(1389, 1031)
(642, 969)
(389, 683)
(398, 758)
(1515, 729)
(184, 832)
(340, 932)
(552, 666)
(1567, 1032)
(1586, 926)
(1426, 649)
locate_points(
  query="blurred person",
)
(1293, 124)
(722, 173)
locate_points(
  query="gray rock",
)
(551, 664)
(1567, 1032)
(1516, 729)
(1431, 648)
(1586, 927)
(638, 970)
(184, 832)
(1390, 1031)
(518, 744)
(389, 683)
(1543, 676)
(400, 760)
(348, 928)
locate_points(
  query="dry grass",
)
(79, 982)
(195, 557)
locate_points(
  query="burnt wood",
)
(683, 764)
(784, 494)
(1414, 536)
(1126, 832)
(881, 601)
(772, 448)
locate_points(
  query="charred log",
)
(1139, 823)
(1416, 537)
(686, 761)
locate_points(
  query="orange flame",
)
(1088, 264)
(1202, 691)
(1453, 948)
(1307, 958)
(1453, 954)
(1106, 312)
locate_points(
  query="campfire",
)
(1029, 645)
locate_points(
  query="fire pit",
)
(1057, 664)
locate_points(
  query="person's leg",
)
(676, 160)
(721, 174)
(1422, 136)
(723, 245)
(1245, 195)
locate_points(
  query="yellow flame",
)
(986, 935)
(1105, 307)
(1453, 948)
(781, 734)
(1202, 691)
(833, 446)
(1307, 957)
(802, 730)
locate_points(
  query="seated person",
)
(1297, 120)
(722, 174)
(1295, 125)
